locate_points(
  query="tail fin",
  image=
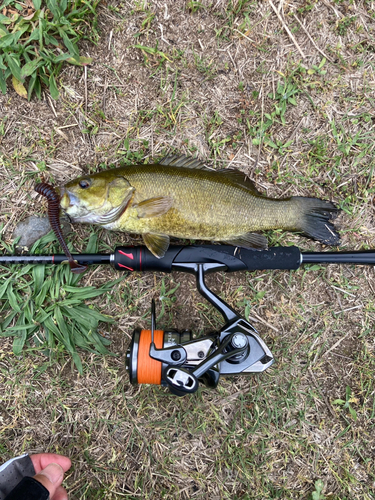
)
(315, 215)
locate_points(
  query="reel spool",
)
(142, 368)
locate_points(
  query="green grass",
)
(47, 305)
(35, 42)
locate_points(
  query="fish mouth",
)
(70, 200)
(63, 205)
(71, 205)
(67, 199)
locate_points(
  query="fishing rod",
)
(176, 359)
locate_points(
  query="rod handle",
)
(231, 258)
(241, 259)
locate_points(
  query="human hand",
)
(50, 469)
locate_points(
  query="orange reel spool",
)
(141, 367)
(149, 370)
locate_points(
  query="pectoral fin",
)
(157, 243)
(249, 240)
(154, 207)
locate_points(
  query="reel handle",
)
(180, 381)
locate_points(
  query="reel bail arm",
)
(174, 355)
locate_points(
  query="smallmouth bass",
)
(180, 197)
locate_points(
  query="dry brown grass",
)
(208, 89)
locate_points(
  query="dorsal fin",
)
(240, 178)
(235, 175)
(182, 161)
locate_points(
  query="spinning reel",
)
(180, 362)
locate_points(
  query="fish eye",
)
(84, 183)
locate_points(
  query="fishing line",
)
(149, 370)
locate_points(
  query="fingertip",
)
(60, 494)
(53, 472)
(41, 460)
(51, 478)
(65, 462)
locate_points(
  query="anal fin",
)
(157, 243)
(249, 240)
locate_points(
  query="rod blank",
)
(366, 257)
(84, 259)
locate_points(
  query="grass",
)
(49, 310)
(37, 38)
(225, 82)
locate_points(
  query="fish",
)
(180, 197)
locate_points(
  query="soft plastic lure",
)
(54, 219)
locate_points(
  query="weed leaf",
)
(5, 19)
(80, 61)
(53, 7)
(7, 40)
(34, 35)
(69, 45)
(14, 66)
(13, 299)
(31, 67)
(319, 486)
(18, 343)
(19, 87)
(53, 88)
(77, 362)
(38, 276)
(4, 287)
(92, 245)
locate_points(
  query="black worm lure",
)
(54, 219)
